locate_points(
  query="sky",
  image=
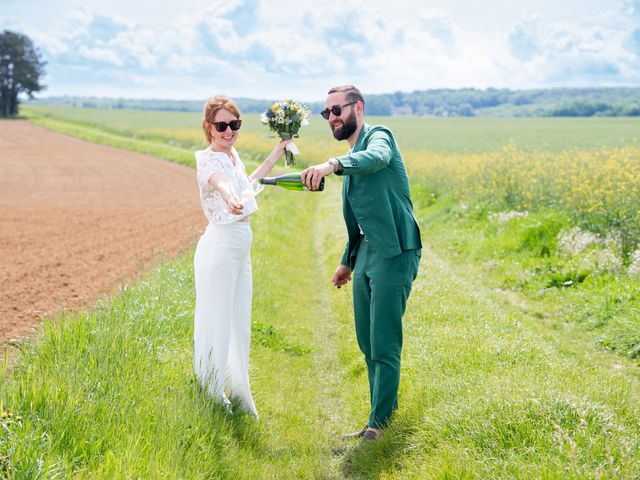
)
(267, 49)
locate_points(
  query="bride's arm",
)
(266, 166)
(222, 185)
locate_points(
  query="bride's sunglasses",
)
(222, 126)
(336, 110)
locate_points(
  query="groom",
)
(383, 247)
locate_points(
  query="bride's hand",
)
(279, 149)
(233, 202)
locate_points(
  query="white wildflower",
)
(602, 260)
(634, 266)
(614, 241)
(576, 241)
(505, 217)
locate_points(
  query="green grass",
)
(496, 382)
(520, 257)
(487, 390)
(442, 135)
(123, 120)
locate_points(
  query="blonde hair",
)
(212, 106)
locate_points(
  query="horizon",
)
(152, 99)
(258, 49)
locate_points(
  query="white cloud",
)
(579, 53)
(9, 22)
(275, 48)
(634, 41)
(523, 41)
(439, 25)
(631, 8)
(100, 55)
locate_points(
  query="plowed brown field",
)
(78, 219)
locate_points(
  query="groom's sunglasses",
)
(222, 126)
(336, 110)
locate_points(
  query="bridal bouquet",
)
(285, 119)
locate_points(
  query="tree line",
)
(469, 102)
(559, 102)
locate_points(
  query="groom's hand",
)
(341, 276)
(312, 175)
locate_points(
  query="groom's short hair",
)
(352, 94)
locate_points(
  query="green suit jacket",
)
(376, 196)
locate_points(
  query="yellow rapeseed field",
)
(601, 187)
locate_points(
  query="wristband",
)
(337, 166)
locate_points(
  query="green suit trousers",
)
(381, 288)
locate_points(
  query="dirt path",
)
(77, 219)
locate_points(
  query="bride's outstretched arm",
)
(222, 185)
(266, 166)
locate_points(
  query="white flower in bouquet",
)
(285, 119)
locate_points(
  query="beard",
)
(349, 125)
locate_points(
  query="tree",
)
(21, 67)
(378, 105)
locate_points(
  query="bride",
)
(222, 262)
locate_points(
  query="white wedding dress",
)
(222, 267)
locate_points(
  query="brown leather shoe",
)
(358, 434)
(371, 435)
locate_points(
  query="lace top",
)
(209, 162)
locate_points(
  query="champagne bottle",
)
(290, 181)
